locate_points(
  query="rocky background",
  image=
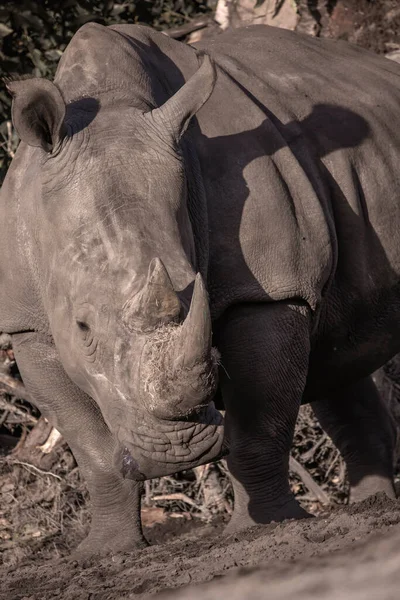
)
(43, 501)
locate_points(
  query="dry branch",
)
(54, 438)
(184, 30)
(13, 386)
(310, 453)
(29, 467)
(6, 412)
(177, 497)
(9, 407)
(308, 481)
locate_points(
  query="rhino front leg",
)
(361, 427)
(115, 502)
(265, 350)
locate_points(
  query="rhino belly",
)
(353, 341)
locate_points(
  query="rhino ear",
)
(38, 111)
(175, 113)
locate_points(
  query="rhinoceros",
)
(185, 223)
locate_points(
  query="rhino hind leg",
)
(361, 427)
(115, 502)
(264, 354)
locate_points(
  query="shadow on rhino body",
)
(326, 130)
(356, 331)
(357, 251)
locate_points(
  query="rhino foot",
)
(105, 544)
(370, 485)
(243, 519)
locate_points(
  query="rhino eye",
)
(84, 327)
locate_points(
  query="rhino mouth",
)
(169, 447)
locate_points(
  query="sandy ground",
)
(353, 552)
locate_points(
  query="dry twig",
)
(6, 412)
(308, 481)
(177, 497)
(13, 386)
(184, 30)
(310, 453)
(9, 407)
(51, 442)
(29, 466)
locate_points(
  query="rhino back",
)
(301, 154)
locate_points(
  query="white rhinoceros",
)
(262, 166)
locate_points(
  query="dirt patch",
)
(44, 503)
(274, 551)
(369, 572)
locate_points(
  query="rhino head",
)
(127, 312)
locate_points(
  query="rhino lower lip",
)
(130, 468)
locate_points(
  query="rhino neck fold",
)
(197, 203)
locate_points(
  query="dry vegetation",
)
(44, 501)
(45, 510)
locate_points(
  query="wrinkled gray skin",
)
(282, 196)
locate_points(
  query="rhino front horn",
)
(196, 334)
(179, 375)
(156, 304)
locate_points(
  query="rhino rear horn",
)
(156, 304)
(175, 113)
